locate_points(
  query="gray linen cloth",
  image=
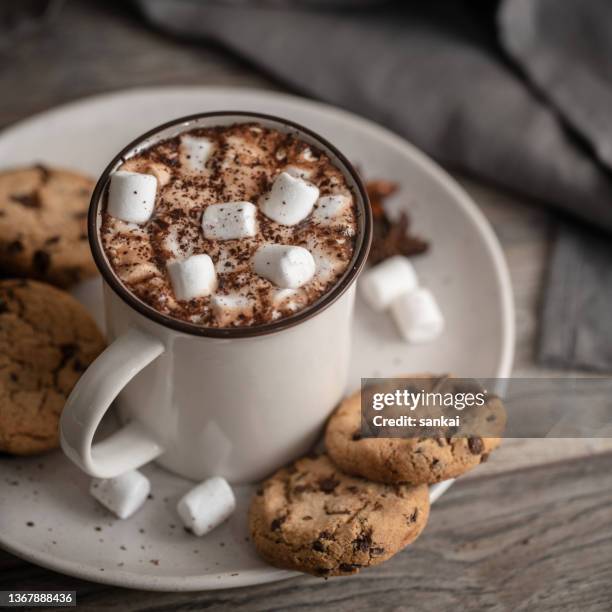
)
(515, 93)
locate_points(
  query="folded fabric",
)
(436, 73)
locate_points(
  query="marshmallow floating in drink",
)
(223, 303)
(122, 495)
(418, 316)
(161, 172)
(284, 265)
(195, 152)
(388, 280)
(226, 307)
(207, 505)
(329, 208)
(290, 200)
(230, 221)
(131, 196)
(192, 277)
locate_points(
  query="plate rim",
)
(402, 147)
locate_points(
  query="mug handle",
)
(130, 447)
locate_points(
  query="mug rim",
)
(355, 266)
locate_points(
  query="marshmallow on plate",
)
(229, 221)
(329, 207)
(290, 200)
(207, 505)
(195, 152)
(418, 316)
(192, 277)
(122, 495)
(131, 196)
(383, 283)
(284, 265)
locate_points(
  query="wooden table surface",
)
(531, 529)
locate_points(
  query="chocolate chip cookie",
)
(313, 518)
(43, 225)
(423, 460)
(47, 339)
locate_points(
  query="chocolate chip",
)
(68, 350)
(484, 457)
(78, 366)
(349, 567)
(356, 436)
(475, 445)
(275, 525)
(377, 550)
(398, 490)
(363, 541)
(413, 517)
(29, 200)
(15, 247)
(318, 546)
(52, 240)
(491, 418)
(45, 173)
(327, 485)
(3, 306)
(307, 518)
(41, 260)
(259, 492)
(322, 571)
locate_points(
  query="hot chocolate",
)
(229, 226)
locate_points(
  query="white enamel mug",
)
(237, 402)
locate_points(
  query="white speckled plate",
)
(46, 515)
